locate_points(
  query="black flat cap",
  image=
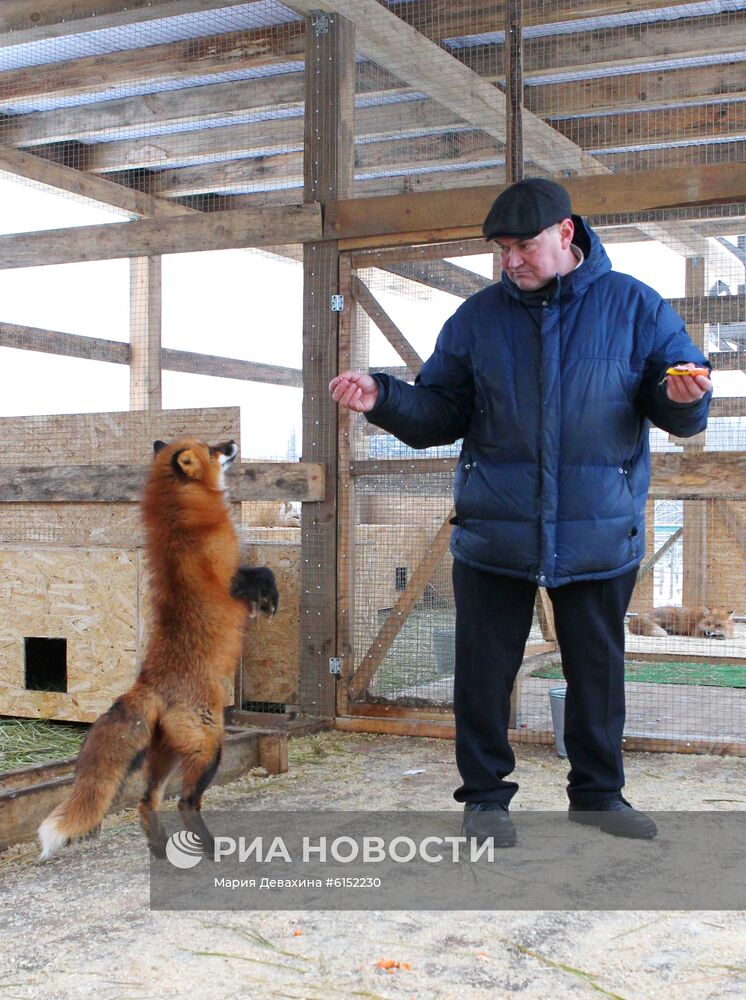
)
(527, 208)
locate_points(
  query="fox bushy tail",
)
(115, 745)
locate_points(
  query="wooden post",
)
(514, 172)
(695, 511)
(145, 333)
(513, 62)
(346, 506)
(514, 90)
(330, 66)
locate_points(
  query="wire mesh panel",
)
(113, 113)
(686, 647)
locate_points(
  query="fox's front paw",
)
(257, 588)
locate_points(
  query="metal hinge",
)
(337, 303)
(335, 665)
(320, 24)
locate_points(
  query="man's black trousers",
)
(493, 619)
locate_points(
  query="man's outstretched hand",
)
(354, 390)
(687, 388)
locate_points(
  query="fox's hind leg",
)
(197, 740)
(160, 765)
(197, 775)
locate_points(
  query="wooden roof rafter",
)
(414, 28)
(24, 21)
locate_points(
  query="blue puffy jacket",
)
(553, 406)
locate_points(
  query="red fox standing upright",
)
(173, 714)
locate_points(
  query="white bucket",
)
(557, 705)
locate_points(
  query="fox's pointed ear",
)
(158, 446)
(185, 462)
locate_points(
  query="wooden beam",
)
(442, 275)
(661, 158)
(72, 345)
(262, 138)
(728, 361)
(386, 325)
(711, 309)
(438, 19)
(675, 475)
(375, 125)
(413, 725)
(145, 333)
(643, 89)
(724, 406)
(219, 367)
(401, 609)
(648, 564)
(398, 156)
(218, 231)
(86, 438)
(24, 21)
(631, 234)
(303, 481)
(29, 338)
(84, 185)
(430, 216)
(426, 216)
(105, 119)
(329, 111)
(167, 63)
(615, 50)
(419, 254)
(690, 123)
(403, 51)
(32, 795)
(698, 475)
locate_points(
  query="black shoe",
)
(488, 820)
(617, 817)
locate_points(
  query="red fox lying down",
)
(700, 622)
(172, 717)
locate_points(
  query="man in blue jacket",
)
(551, 376)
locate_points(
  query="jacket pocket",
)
(625, 472)
(463, 476)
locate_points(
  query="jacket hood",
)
(595, 264)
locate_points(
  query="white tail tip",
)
(50, 837)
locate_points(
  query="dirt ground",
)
(80, 925)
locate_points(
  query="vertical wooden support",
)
(330, 66)
(145, 333)
(514, 172)
(545, 614)
(345, 501)
(695, 511)
(514, 90)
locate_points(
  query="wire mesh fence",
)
(167, 111)
(686, 666)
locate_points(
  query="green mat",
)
(729, 675)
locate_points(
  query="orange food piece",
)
(688, 371)
(297, 933)
(389, 965)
